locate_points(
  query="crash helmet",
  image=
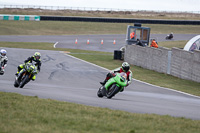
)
(37, 55)
(125, 66)
(3, 52)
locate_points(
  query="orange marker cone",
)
(102, 41)
(114, 42)
(76, 41)
(88, 41)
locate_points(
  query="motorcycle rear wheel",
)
(24, 81)
(114, 89)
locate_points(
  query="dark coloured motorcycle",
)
(25, 75)
(169, 37)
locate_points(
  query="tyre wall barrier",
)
(118, 20)
(20, 17)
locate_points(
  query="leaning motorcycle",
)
(113, 85)
(169, 37)
(25, 75)
(1, 70)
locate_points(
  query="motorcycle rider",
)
(170, 36)
(124, 68)
(36, 59)
(4, 60)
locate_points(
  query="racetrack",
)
(66, 78)
(68, 41)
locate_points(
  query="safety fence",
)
(97, 19)
(118, 20)
(20, 17)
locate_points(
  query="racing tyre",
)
(114, 89)
(99, 93)
(24, 81)
(16, 84)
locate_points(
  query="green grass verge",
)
(105, 59)
(171, 44)
(74, 28)
(25, 114)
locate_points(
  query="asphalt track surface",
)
(68, 41)
(66, 78)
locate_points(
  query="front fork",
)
(21, 73)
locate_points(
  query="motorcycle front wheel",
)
(99, 93)
(16, 83)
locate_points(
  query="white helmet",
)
(3, 52)
(125, 66)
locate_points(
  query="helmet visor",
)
(126, 68)
(3, 54)
(37, 57)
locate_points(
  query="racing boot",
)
(104, 82)
(19, 68)
(17, 73)
(33, 77)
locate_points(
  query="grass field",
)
(78, 28)
(23, 114)
(171, 44)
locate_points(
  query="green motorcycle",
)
(25, 75)
(113, 85)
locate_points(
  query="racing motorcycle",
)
(113, 85)
(1, 70)
(25, 75)
(169, 37)
(1, 67)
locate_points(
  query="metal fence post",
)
(169, 62)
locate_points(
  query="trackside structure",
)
(175, 61)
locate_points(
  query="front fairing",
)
(118, 80)
(30, 68)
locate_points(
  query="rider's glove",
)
(113, 74)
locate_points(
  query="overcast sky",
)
(162, 5)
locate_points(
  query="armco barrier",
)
(182, 64)
(118, 20)
(20, 17)
(95, 19)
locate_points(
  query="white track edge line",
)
(134, 79)
(55, 44)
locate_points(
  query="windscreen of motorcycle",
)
(123, 75)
